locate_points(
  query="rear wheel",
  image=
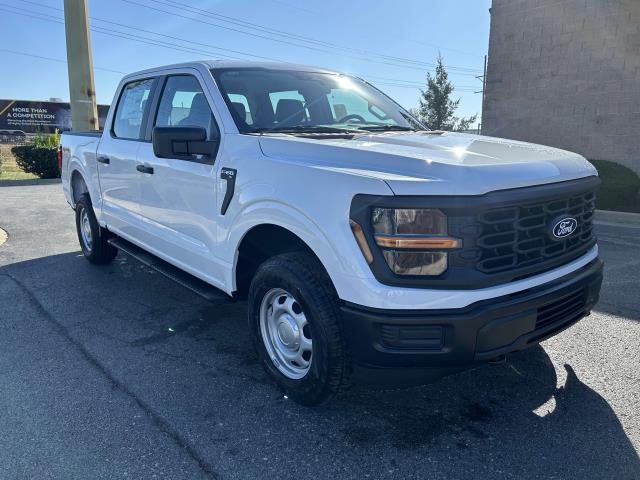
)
(296, 327)
(93, 238)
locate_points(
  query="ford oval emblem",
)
(564, 227)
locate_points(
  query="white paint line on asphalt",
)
(614, 224)
(617, 219)
(616, 241)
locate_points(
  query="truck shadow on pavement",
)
(192, 364)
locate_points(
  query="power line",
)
(412, 83)
(124, 73)
(155, 33)
(236, 21)
(414, 87)
(118, 34)
(273, 31)
(33, 55)
(168, 45)
(206, 13)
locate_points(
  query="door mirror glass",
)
(185, 143)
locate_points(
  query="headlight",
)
(413, 240)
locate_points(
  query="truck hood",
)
(433, 163)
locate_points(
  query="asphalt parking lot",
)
(115, 372)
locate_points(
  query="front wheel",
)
(93, 238)
(296, 327)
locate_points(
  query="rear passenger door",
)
(117, 154)
(178, 200)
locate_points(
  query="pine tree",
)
(437, 110)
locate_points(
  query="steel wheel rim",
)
(85, 230)
(286, 333)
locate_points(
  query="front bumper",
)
(414, 346)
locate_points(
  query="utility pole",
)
(82, 93)
(483, 79)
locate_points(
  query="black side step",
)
(185, 279)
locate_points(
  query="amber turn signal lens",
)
(362, 241)
(417, 242)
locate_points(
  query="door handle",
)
(103, 159)
(144, 169)
(228, 174)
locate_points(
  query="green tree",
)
(437, 110)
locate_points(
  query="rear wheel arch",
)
(78, 186)
(94, 240)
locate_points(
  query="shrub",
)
(46, 141)
(620, 187)
(40, 161)
(39, 156)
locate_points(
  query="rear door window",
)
(131, 108)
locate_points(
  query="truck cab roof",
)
(221, 64)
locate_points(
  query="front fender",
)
(334, 245)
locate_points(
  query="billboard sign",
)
(24, 116)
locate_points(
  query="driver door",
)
(178, 195)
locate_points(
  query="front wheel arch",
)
(259, 244)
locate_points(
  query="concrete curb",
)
(617, 219)
(26, 183)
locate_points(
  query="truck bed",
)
(88, 133)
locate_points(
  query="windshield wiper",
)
(304, 129)
(387, 128)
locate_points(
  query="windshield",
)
(262, 100)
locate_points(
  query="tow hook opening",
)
(499, 360)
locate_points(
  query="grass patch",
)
(15, 174)
(620, 188)
(8, 168)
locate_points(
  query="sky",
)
(392, 44)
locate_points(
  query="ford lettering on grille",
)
(564, 227)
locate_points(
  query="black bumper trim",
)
(473, 334)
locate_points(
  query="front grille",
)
(566, 308)
(517, 237)
(506, 235)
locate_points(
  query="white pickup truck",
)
(369, 248)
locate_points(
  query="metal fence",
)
(8, 138)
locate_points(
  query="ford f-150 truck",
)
(369, 248)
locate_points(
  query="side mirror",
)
(182, 142)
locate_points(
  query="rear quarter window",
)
(130, 110)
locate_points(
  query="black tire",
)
(302, 275)
(97, 250)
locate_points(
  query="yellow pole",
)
(82, 94)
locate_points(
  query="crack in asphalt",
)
(157, 420)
